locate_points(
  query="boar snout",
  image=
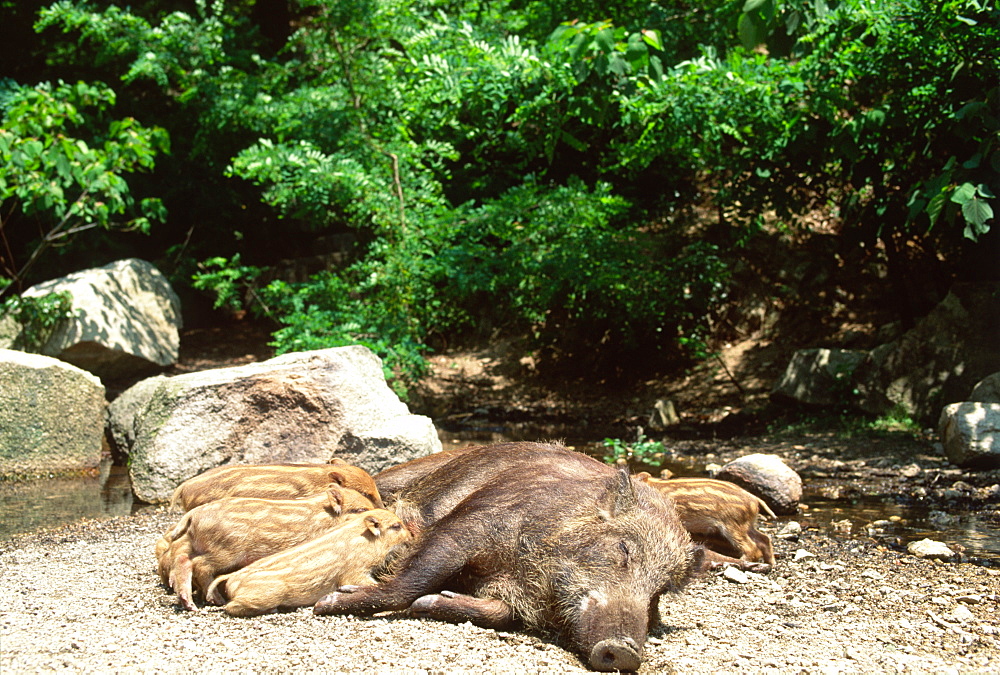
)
(617, 653)
(612, 631)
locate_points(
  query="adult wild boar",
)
(301, 575)
(227, 534)
(539, 535)
(271, 481)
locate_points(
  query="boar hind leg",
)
(457, 608)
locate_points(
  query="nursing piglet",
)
(271, 481)
(301, 575)
(227, 534)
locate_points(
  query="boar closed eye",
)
(624, 549)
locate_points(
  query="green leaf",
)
(573, 141)
(935, 207)
(752, 31)
(964, 193)
(606, 40)
(652, 38)
(976, 212)
(751, 5)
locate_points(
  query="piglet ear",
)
(336, 501)
(643, 476)
(338, 478)
(373, 525)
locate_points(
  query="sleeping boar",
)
(271, 481)
(301, 575)
(227, 534)
(537, 535)
(720, 515)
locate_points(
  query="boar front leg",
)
(426, 570)
(458, 608)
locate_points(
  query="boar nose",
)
(617, 653)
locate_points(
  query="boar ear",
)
(373, 525)
(338, 477)
(336, 501)
(625, 499)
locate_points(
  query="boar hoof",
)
(326, 604)
(615, 654)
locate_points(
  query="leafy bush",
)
(643, 451)
(521, 165)
(37, 317)
(61, 173)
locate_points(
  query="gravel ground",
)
(86, 598)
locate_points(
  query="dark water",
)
(32, 505)
(26, 507)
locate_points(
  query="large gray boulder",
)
(768, 477)
(938, 361)
(124, 410)
(987, 390)
(126, 320)
(51, 416)
(299, 407)
(819, 376)
(970, 433)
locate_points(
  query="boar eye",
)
(624, 549)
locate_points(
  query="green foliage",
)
(328, 312)
(229, 281)
(557, 261)
(37, 317)
(899, 419)
(60, 170)
(643, 451)
(520, 165)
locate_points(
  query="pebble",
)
(790, 532)
(928, 548)
(962, 614)
(735, 575)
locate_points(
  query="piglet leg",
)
(714, 560)
(180, 580)
(458, 608)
